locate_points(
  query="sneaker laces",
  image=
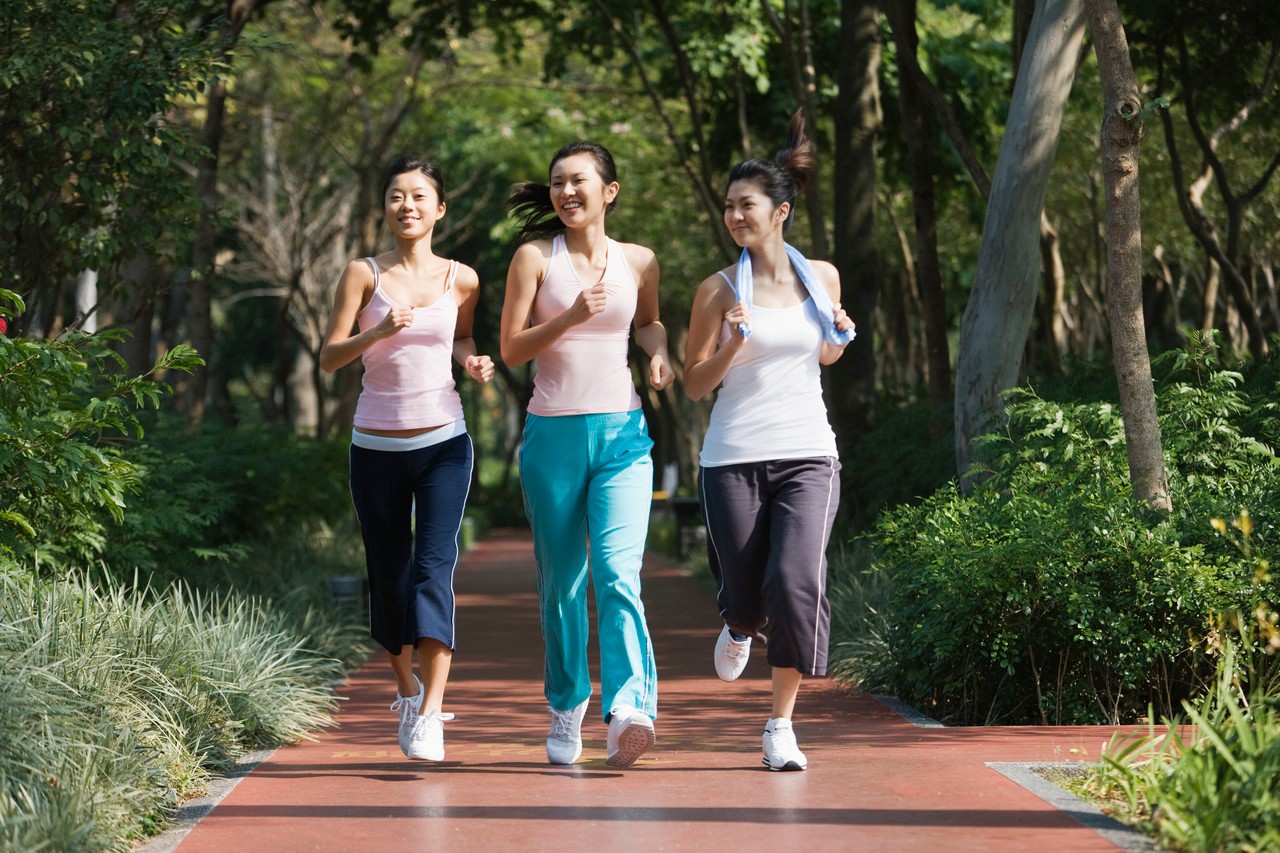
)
(562, 727)
(413, 701)
(429, 717)
(737, 649)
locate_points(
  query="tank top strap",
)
(619, 257)
(377, 273)
(453, 274)
(726, 278)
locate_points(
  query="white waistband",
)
(412, 442)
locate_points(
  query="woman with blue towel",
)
(769, 479)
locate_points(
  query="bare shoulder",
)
(358, 274)
(467, 276)
(467, 280)
(829, 276)
(533, 251)
(640, 257)
(716, 290)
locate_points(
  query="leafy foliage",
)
(1209, 779)
(93, 162)
(1048, 595)
(60, 400)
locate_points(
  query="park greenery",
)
(1031, 531)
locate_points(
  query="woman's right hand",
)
(587, 304)
(736, 317)
(397, 318)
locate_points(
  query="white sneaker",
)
(564, 741)
(408, 706)
(731, 655)
(780, 750)
(630, 736)
(426, 737)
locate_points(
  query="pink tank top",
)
(586, 370)
(408, 377)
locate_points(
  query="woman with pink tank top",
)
(407, 313)
(573, 296)
(769, 479)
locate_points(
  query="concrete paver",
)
(875, 781)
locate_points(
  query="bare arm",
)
(830, 277)
(341, 346)
(651, 335)
(467, 286)
(519, 341)
(705, 361)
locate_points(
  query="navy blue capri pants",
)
(410, 504)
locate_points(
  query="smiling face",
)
(412, 204)
(750, 215)
(578, 193)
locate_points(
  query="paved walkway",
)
(875, 780)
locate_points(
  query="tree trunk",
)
(997, 319)
(191, 390)
(851, 391)
(1121, 136)
(1055, 278)
(133, 307)
(902, 16)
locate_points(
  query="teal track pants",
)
(588, 480)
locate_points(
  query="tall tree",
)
(91, 159)
(1121, 136)
(233, 16)
(857, 121)
(797, 47)
(997, 318)
(920, 164)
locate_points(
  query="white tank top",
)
(770, 405)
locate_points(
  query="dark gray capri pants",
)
(768, 524)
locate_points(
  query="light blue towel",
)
(744, 288)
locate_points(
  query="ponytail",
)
(797, 159)
(783, 178)
(530, 204)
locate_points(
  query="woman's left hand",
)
(660, 373)
(843, 322)
(480, 367)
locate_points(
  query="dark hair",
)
(407, 163)
(787, 175)
(530, 202)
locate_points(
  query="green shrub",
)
(1048, 595)
(204, 501)
(60, 477)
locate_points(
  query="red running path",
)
(875, 781)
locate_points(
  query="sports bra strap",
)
(376, 272)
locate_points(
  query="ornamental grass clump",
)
(115, 704)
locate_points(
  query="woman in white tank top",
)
(407, 314)
(769, 478)
(573, 296)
